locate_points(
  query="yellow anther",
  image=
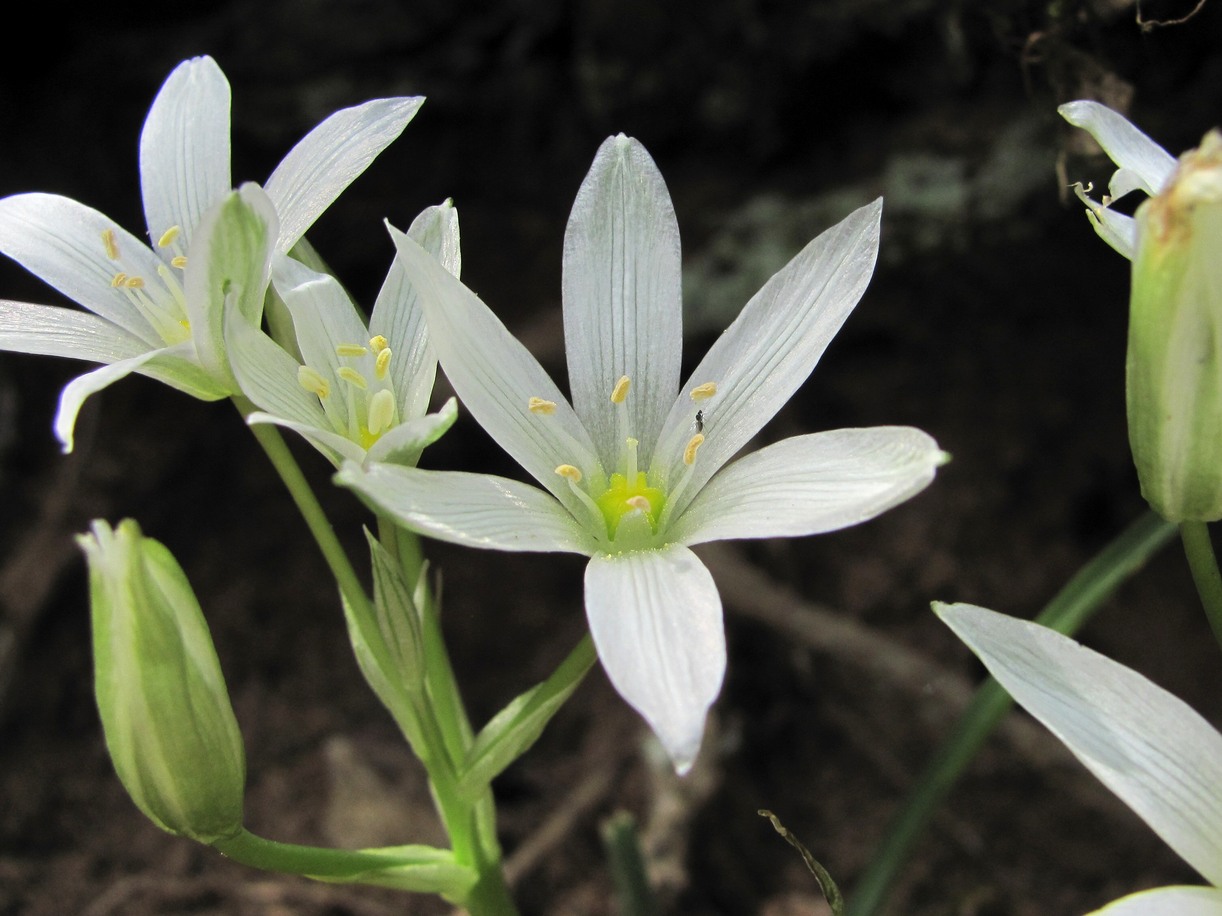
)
(620, 392)
(352, 377)
(378, 343)
(694, 443)
(704, 392)
(169, 237)
(118, 279)
(312, 380)
(381, 411)
(639, 502)
(540, 406)
(568, 472)
(134, 282)
(381, 363)
(111, 243)
(351, 350)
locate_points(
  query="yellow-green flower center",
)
(163, 304)
(622, 497)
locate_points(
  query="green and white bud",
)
(165, 710)
(1174, 370)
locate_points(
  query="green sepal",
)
(165, 711)
(1174, 365)
(512, 731)
(423, 869)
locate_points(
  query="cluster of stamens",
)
(627, 500)
(368, 408)
(164, 304)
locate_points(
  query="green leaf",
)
(516, 727)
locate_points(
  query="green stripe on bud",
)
(1174, 371)
(169, 726)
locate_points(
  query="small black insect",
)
(700, 421)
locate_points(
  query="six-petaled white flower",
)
(157, 309)
(360, 393)
(636, 470)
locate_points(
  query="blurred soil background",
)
(995, 321)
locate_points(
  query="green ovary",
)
(620, 498)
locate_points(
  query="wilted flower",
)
(635, 471)
(1174, 364)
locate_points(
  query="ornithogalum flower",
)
(140, 295)
(360, 393)
(1150, 748)
(635, 470)
(1174, 364)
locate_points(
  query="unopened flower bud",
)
(1174, 371)
(169, 725)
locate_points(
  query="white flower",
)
(361, 393)
(635, 471)
(1143, 165)
(146, 316)
(1159, 756)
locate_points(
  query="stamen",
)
(351, 350)
(630, 457)
(311, 380)
(704, 392)
(378, 343)
(352, 377)
(381, 411)
(179, 261)
(381, 363)
(568, 472)
(134, 282)
(541, 407)
(118, 280)
(171, 283)
(169, 237)
(693, 445)
(620, 392)
(110, 242)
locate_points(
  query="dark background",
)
(995, 321)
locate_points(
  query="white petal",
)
(329, 158)
(48, 330)
(1127, 146)
(335, 448)
(76, 391)
(495, 376)
(476, 510)
(228, 271)
(1167, 901)
(773, 345)
(404, 443)
(1116, 229)
(60, 241)
(184, 148)
(622, 306)
(397, 315)
(811, 484)
(268, 375)
(1162, 759)
(655, 616)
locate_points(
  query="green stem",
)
(1072, 606)
(1204, 565)
(286, 466)
(315, 861)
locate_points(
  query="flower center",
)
(160, 300)
(628, 506)
(359, 398)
